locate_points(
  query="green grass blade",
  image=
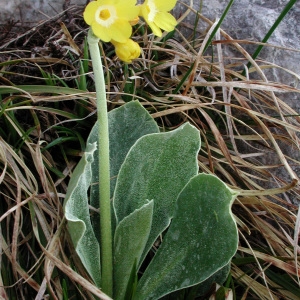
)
(285, 281)
(219, 24)
(183, 80)
(39, 89)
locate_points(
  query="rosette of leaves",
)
(156, 191)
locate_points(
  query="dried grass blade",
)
(218, 136)
(53, 248)
(4, 161)
(296, 241)
(70, 40)
(253, 85)
(3, 295)
(269, 192)
(197, 61)
(76, 277)
(260, 290)
(288, 268)
(16, 228)
(25, 276)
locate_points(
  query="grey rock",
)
(251, 20)
(30, 12)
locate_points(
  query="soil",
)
(53, 38)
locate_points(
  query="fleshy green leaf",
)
(126, 125)
(198, 291)
(219, 277)
(78, 215)
(201, 239)
(157, 167)
(130, 239)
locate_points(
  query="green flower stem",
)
(104, 173)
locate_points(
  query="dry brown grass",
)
(247, 133)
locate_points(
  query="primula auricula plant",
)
(145, 184)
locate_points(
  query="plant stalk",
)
(104, 170)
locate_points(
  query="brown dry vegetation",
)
(47, 109)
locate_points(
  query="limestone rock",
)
(251, 20)
(29, 12)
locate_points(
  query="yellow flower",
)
(127, 51)
(155, 13)
(110, 19)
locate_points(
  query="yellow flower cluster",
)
(112, 21)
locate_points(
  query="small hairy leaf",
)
(130, 239)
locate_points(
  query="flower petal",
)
(155, 29)
(89, 12)
(105, 2)
(144, 11)
(165, 21)
(127, 12)
(110, 19)
(155, 14)
(128, 2)
(101, 32)
(165, 5)
(120, 31)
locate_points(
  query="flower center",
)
(106, 15)
(152, 11)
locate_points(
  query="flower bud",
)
(127, 51)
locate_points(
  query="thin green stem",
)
(219, 24)
(104, 173)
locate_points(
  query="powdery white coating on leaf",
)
(78, 215)
(157, 167)
(207, 241)
(130, 239)
(126, 125)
